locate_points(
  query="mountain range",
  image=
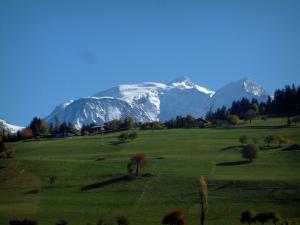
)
(152, 101)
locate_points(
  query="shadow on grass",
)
(293, 147)
(125, 178)
(269, 147)
(225, 185)
(262, 127)
(236, 163)
(117, 142)
(102, 184)
(35, 191)
(233, 147)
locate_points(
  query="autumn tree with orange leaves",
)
(137, 161)
(203, 199)
(176, 217)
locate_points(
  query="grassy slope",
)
(270, 183)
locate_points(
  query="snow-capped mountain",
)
(4, 126)
(151, 101)
(97, 110)
(244, 88)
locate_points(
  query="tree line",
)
(286, 102)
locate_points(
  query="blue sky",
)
(55, 50)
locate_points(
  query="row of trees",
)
(286, 102)
(251, 216)
(120, 220)
(243, 109)
(184, 122)
(278, 139)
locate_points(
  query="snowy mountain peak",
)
(253, 88)
(180, 79)
(4, 126)
(182, 82)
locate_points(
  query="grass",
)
(177, 158)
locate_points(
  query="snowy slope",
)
(145, 95)
(9, 127)
(98, 110)
(244, 88)
(154, 101)
(184, 97)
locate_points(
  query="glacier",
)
(150, 101)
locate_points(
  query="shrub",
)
(262, 218)
(52, 180)
(176, 217)
(123, 137)
(270, 139)
(250, 115)
(233, 119)
(6, 150)
(250, 152)
(243, 139)
(100, 222)
(26, 133)
(62, 222)
(248, 216)
(281, 140)
(122, 220)
(132, 135)
(275, 217)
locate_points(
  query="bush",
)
(123, 137)
(176, 217)
(6, 150)
(132, 135)
(243, 139)
(275, 217)
(62, 222)
(52, 180)
(26, 133)
(250, 152)
(270, 139)
(262, 218)
(248, 216)
(281, 140)
(233, 119)
(122, 220)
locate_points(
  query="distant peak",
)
(246, 78)
(252, 87)
(182, 79)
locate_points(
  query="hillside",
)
(176, 159)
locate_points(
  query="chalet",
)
(99, 129)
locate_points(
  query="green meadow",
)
(177, 158)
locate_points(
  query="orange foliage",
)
(27, 133)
